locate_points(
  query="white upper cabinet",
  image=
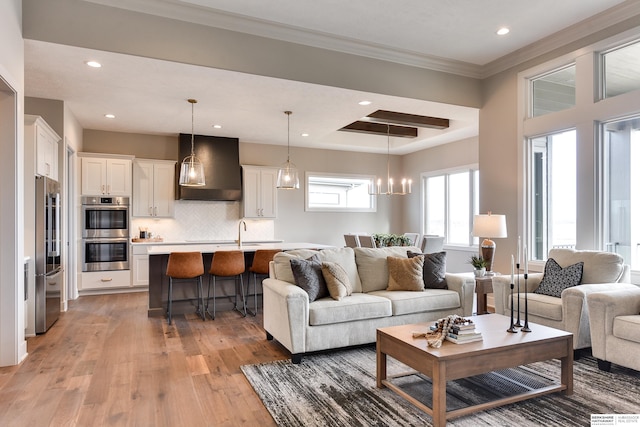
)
(260, 197)
(106, 175)
(45, 142)
(153, 188)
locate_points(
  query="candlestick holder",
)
(512, 329)
(525, 328)
(518, 324)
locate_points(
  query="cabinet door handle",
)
(102, 188)
(108, 189)
(150, 211)
(155, 211)
(48, 168)
(107, 279)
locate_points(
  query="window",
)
(451, 200)
(339, 193)
(621, 182)
(553, 192)
(621, 70)
(555, 91)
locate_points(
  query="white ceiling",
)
(142, 92)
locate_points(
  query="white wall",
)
(13, 346)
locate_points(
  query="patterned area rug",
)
(338, 389)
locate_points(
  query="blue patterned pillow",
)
(556, 279)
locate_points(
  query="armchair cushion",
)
(556, 279)
(599, 267)
(627, 327)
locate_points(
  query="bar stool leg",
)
(169, 298)
(201, 300)
(244, 301)
(212, 278)
(255, 295)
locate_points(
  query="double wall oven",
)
(105, 233)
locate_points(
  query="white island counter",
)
(159, 256)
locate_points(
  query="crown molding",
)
(184, 10)
(606, 19)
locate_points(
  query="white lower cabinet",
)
(140, 266)
(97, 280)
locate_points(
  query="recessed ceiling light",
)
(304, 134)
(364, 102)
(217, 126)
(93, 64)
(502, 31)
(110, 116)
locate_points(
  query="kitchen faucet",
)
(240, 231)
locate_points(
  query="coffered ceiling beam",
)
(404, 119)
(381, 129)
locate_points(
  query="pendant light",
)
(192, 170)
(405, 184)
(288, 172)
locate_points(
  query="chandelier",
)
(405, 184)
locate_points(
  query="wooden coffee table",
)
(498, 350)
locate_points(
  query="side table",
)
(484, 286)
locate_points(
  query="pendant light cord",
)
(288, 113)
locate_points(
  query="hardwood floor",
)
(105, 363)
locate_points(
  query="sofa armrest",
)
(502, 289)
(464, 285)
(604, 307)
(286, 313)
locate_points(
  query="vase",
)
(480, 272)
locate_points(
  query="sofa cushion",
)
(372, 265)
(599, 267)
(539, 305)
(347, 260)
(358, 306)
(627, 328)
(433, 269)
(556, 279)
(405, 274)
(282, 263)
(308, 275)
(408, 302)
(337, 280)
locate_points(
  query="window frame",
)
(474, 171)
(373, 205)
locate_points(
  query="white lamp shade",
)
(489, 225)
(288, 177)
(191, 172)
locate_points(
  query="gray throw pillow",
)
(433, 270)
(556, 279)
(307, 274)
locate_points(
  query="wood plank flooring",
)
(105, 363)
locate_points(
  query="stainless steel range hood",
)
(221, 159)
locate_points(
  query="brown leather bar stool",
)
(228, 265)
(259, 267)
(185, 266)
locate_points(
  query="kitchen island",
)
(159, 282)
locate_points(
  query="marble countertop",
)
(202, 242)
(214, 247)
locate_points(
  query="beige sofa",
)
(323, 324)
(601, 271)
(614, 317)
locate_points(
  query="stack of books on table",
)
(461, 334)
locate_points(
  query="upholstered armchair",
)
(601, 271)
(614, 317)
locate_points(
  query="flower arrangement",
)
(383, 240)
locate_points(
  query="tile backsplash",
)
(200, 220)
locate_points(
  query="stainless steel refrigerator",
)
(47, 262)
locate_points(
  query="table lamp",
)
(489, 226)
